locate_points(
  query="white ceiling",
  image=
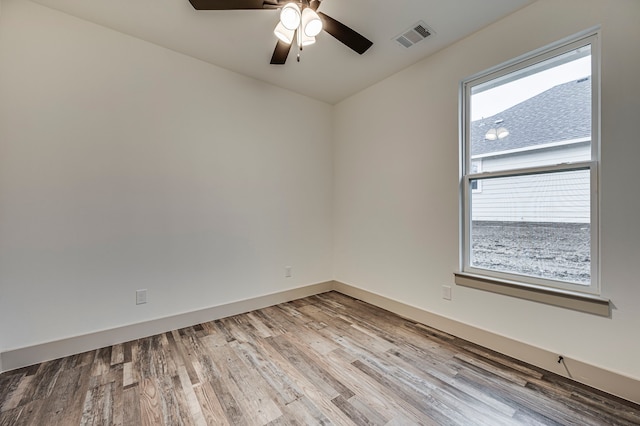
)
(243, 40)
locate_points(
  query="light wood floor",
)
(326, 359)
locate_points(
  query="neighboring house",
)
(565, 136)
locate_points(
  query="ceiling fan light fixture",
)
(284, 34)
(307, 41)
(290, 27)
(311, 23)
(290, 16)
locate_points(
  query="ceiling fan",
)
(338, 30)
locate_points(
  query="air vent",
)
(417, 32)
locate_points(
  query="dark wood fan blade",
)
(344, 34)
(228, 4)
(280, 53)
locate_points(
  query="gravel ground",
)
(557, 251)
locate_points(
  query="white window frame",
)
(490, 279)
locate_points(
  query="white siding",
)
(553, 197)
(535, 158)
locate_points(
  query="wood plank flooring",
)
(326, 359)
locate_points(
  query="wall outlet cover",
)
(446, 292)
(141, 297)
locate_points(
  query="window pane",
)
(533, 225)
(539, 115)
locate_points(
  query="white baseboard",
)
(22, 357)
(613, 383)
(599, 378)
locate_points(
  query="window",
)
(529, 155)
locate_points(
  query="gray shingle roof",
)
(558, 114)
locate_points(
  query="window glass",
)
(530, 156)
(536, 225)
(535, 109)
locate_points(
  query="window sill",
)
(566, 299)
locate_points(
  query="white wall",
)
(396, 185)
(124, 166)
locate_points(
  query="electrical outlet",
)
(141, 297)
(288, 271)
(446, 292)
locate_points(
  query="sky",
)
(493, 101)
